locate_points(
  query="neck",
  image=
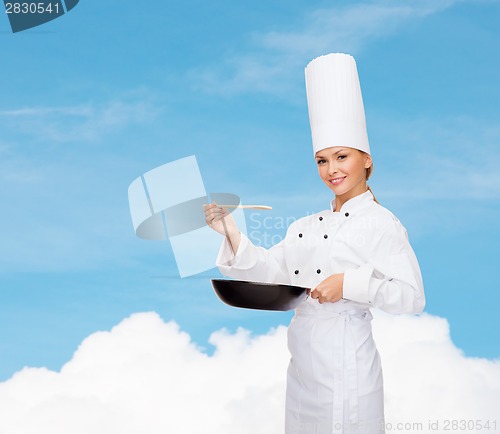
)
(343, 198)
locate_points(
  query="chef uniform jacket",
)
(334, 378)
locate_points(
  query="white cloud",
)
(272, 63)
(83, 122)
(146, 376)
(427, 377)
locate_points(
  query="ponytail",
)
(374, 198)
(369, 171)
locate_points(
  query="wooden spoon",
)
(263, 207)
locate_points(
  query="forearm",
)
(234, 238)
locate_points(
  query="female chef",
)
(354, 256)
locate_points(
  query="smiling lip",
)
(336, 181)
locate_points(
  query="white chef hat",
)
(336, 112)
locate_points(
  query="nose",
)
(332, 168)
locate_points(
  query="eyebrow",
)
(335, 153)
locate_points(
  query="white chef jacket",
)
(334, 379)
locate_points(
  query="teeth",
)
(336, 181)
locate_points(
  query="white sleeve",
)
(391, 280)
(253, 262)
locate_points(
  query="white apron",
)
(334, 379)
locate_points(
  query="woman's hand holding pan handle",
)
(329, 290)
(221, 221)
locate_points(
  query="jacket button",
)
(346, 214)
(318, 271)
(325, 236)
(321, 219)
(300, 235)
(296, 271)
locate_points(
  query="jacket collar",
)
(359, 201)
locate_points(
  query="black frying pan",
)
(258, 295)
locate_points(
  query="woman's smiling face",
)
(343, 170)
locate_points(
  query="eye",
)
(342, 157)
(321, 161)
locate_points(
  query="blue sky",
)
(111, 90)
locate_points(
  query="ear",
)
(368, 160)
